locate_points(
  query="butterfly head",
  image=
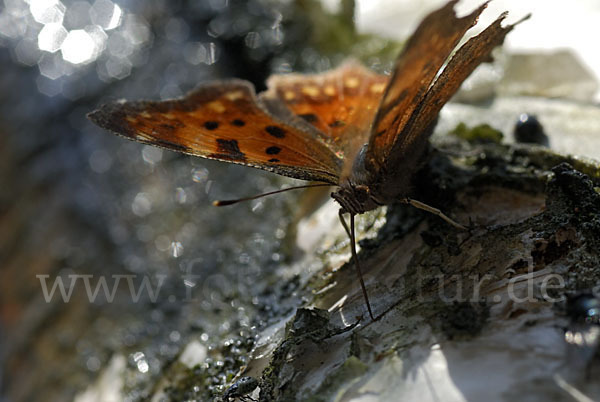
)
(355, 199)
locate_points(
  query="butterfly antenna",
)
(223, 203)
(350, 233)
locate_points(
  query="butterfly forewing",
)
(340, 103)
(415, 69)
(475, 51)
(224, 121)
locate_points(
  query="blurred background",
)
(76, 200)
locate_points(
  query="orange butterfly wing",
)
(225, 121)
(340, 103)
(415, 69)
(474, 52)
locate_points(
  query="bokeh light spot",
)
(27, 52)
(136, 29)
(77, 15)
(16, 8)
(47, 11)
(170, 91)
(52, 66)
(212, 53)
(141, 362)
(117, 68)
(106, 14)
(93, 364)
(253, 40)
(141, 205)
(12, 27)
(100, 161)
(48, 87)
(78, 47)
(152, 155)
(180, 195)
(176, 249)
(99, 37)
(162, 243)
(119, 46)
(200, 175)
(195, 53)
(51, 37)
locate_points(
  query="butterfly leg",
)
(350, 232)
(435, 211)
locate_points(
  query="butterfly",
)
(363, 132)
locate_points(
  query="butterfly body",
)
(368, 188)
(354, 194)
(363, 132)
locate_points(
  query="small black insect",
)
(584, 308)
(240, 389)
(529, 130)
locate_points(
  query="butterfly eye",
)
(361, 193)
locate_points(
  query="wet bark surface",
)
(532, 243)
(454, 307)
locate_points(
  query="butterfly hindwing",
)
(340, 103)
(224, 121)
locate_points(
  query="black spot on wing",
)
(273, 150)
(238, 123)
(275, 131)
(229, 150)
(274, 160)
(211, 125)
